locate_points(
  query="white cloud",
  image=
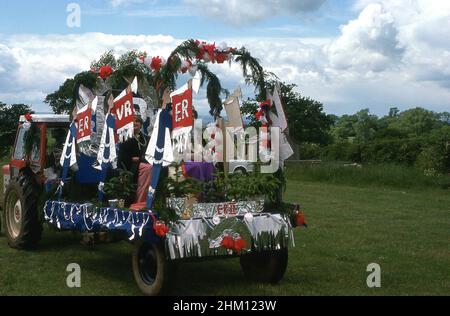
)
(233, 12)
(369, 42)
(8, 67)
(34, 65)
(392, 54)
(240, 13)
(423, 30)
(118, 3)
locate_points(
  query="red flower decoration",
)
(221, 58)
(161, 229)
(105, 72)
(201, 54)
(265, 103)
(156, 64)
(211, 50)
(239, 245)
(227, 242)
(28, 117)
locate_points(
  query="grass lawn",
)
(406, 232)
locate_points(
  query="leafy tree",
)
(307, 120)
(9, 116)
(418, 121)
(366, 126)
(62, 100)
(394, 112)
(445, 117)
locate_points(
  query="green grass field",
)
(406, 231)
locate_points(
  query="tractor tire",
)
(152, 272)
(265, 267)
(21, 220)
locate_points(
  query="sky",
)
(347, 54)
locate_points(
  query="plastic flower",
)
(157, 63)
(105, 72)
(227, 242)
(221, 58)
(161, 229)
(239, 245)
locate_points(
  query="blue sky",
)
(163, 17)
(347, 54)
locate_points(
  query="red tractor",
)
(25, 176)
(213, 230)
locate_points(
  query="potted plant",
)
(121, 188)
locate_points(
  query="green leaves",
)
(213, 90)
(127, 66)
(121, 187)
(9, 116)
(240, 187)
(180, 187)
(107, 59)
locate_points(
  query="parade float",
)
(198, 201)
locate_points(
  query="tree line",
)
(415, 137)
(9, 118)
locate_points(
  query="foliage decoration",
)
(121, 187)
(189, 56)
(241, 187)
(180, 187)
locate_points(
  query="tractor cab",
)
(47, 140)
(34, 158)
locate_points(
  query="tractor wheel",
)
(21, 220)
(152, 271)
(265, 267)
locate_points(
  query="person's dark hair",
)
(137, 117)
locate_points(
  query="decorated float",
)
(134, 163)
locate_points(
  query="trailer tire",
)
(21, 220)
(152, 272)
(266, 266)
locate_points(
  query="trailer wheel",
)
(265, 267)
(151, 270)
(22, 226)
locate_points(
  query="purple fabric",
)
(202, 171)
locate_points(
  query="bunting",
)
(159, 151)
(69, 156)
(107, 154)
(182, 118)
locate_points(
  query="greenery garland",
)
(128, 66)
